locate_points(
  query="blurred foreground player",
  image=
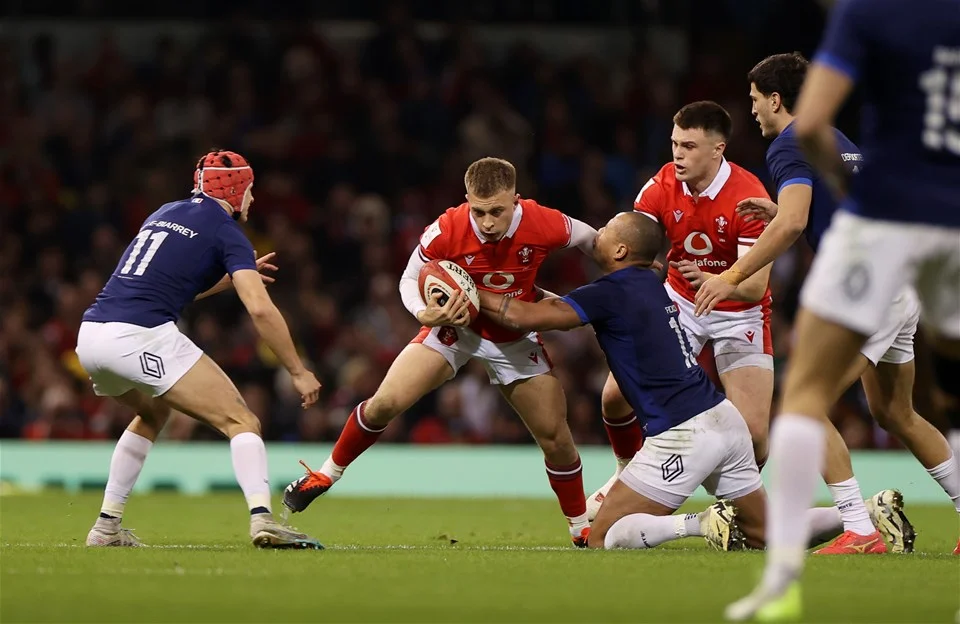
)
(899, 225)
(885, 363)
(501, 241)
(130, 346)
(693, 434)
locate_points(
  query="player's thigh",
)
(622, 501)
(416, 371)
(153, 411)
(938, 281)
(889, 391)
(613, 404)
(542, 406)
(861, 266)
(750, 388)
(207, 394)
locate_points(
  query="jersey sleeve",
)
(235, 249)
(593, 302)
(556, 228)
(843, 41)
(787, 166)
(649, 200)
(435, 239)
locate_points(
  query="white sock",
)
(249, 457)
(125, 466)
(947, 475)
(953, 439)
(797, 447)
(825, 523)
(646, 531)
(849, 500)
(332, 470)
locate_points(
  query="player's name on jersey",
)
(176, 227)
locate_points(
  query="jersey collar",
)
(514, 224)
(714, 189)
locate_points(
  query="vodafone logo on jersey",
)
(699, 244)
(498, 280)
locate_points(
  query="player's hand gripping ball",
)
(447, 278)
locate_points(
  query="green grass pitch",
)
(403, 560)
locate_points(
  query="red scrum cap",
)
(223, 175)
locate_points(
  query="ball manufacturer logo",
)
(499, 280)
(698, 244)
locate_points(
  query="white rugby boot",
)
(108, 532)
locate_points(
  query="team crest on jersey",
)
(678, 214)
(525, 254)
(721, 224)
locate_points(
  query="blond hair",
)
(489, 176)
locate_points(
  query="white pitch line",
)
(333, 547)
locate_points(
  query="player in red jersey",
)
(695, 199)
(500, 240)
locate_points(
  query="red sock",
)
(567, 484)
(626, 436)
(357, 436)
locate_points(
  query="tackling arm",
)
(790, 222)
(550, 313)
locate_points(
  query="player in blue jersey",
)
(898, 224)
(886, 361)
(130, 346)
(693, 435)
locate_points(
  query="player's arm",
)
(432, 315)
(582, 236)
(793, 211)
(543, 315)
(263, 264)
(828, 84)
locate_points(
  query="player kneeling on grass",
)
(130, 346)
(694, 435)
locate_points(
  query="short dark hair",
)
(489, 176)
(642, 235)
(705, 115)
(780, 73)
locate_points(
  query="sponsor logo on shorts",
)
(750, 335)
(672, 468)
(151, 365)
(856, 282)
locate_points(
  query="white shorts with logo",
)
(712, 449)
(863, 264)
(893, 344)
(120, 357)
(739, 338)
(505, 362)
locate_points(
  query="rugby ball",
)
(447, 278)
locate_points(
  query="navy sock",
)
(107, 516)
(255, 511)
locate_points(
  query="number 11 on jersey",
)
(156, 239)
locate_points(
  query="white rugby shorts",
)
(864, 264)
(893, 343)
(505, 362)
(712, 449)
(740, 338)
(120, 357)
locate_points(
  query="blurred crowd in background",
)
(356, 149)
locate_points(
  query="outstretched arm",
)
(549, 313)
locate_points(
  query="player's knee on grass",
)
(751, 517)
